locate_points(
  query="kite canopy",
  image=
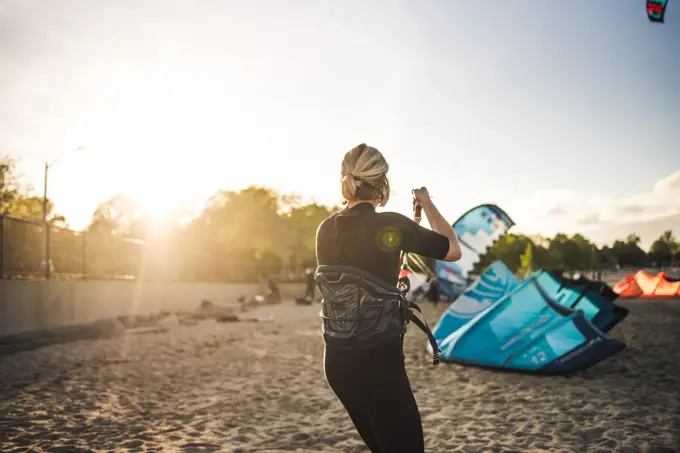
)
(477, 230)
(646, 285)
(594, 299)
(544, 324)
(495, 282)
(656, 10)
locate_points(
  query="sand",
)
(247, 387)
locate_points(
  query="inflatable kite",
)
(477, 230)
(646, 285)
(656, 10)
(545, 324)
(594, 299)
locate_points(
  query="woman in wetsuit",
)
(372, 384)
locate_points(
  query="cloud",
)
(590, 219)
(570, 211)
(632, 209)
(669, 185)
(557, 210)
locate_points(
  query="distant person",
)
(273, 292)
(432, 293)
(311, 285)
(361, 247)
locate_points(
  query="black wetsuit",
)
(372, 384)
(311, 287)
(273, 288)
(433, 291)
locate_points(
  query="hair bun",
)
(350, 177)
(364, 175)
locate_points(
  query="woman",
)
(371, 382)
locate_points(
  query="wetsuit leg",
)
(375, 390)
(344, 376)
(393, 412)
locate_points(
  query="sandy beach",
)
(259, 387)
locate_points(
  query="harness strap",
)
(365, 318)
(422, 325)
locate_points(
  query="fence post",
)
(114, 259)
(48, 257)
(2, 247)
(84, 244)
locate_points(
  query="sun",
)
(157, 201)
(156, 205)
(165, 205)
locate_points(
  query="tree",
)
(629, 253)
(527, 259)
(572, 253)
(31, 208)
(17, 201)
(236, 231)
(664, 249)
(560, 252)
(244, 220)
(9, 187)
(24, 240)
(587, 252)
(300, 224)
(605, 258)
(119, 215)
(542, 258)
(237, 235)
(633, 238)
(509, 249)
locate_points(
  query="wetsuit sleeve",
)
(325, 244)
(420, 240)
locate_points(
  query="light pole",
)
(48, 259)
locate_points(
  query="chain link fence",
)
(29, 250)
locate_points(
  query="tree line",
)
(524, 254)
(239, 235)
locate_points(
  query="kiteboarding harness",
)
(361, 311)
(364, 311)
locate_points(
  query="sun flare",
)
(157, 205)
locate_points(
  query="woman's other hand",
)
(421, 197)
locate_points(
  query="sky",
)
(565, 114)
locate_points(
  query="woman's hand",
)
(438, 223)
(421, 197)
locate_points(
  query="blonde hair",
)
(364, 175)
